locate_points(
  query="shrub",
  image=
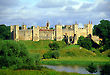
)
(92, 68)
(105, 70)
(54, 46)
(47, 55)
(51, 54)
(55, 54)
(85, 42)
(14, 54)
(5, 33)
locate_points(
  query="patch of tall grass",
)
(36, 72)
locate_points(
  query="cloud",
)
(55, 3)
(64, 11)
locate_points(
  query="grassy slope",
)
(69, 54)
(36, 72)
(83, 61)
(105, 53)
(65, 50)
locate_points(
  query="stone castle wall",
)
(25, 34)
(44, 33)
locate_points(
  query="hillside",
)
(65, 50)
(106, 53)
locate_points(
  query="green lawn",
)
(69, 54)
(36, 72)
(83, 61)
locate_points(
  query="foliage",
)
(92, 68)
(47, 55)
(85, 42)
(20, 27)
(51, 54)
(54, 46)
(14, 54)
(65, 39)
(103, 31)
(105, 70)
(36, 72)
(5, 33)
(37, 58)
(51, 28)
(55, 54)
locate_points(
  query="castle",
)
(70, 32)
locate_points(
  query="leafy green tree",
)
(103, 31)
(15, 54)
(85, 42)
(54, 46)
(105, 70)
(51, 54)
(5, 33)
(92, 68)
(80, 40)
(47, 55)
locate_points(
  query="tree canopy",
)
(85, 42)
(103, 31)
(5, 33)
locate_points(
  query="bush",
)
(55, 54)
(85, 42)
(5, 33)
(54, 46)
(14, 54)
(105, 70)
(51, 54)
(47, 55)
(92, 68)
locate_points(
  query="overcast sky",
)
(65, 12)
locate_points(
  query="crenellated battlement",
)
(72, 32)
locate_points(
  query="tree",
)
(54, 46)
(5, 33)
(51, 54)
(14, 53)
(92, 68)
(105, 69)
(85, 42)
(103, 31)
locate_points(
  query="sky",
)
(64, 12)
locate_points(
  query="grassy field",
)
(65, 50)
(69, 54)
(83, 61)
(36, 72)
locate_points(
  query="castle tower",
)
(11, 28)
(76, 28)
(16, 32)
(89, 28)
(75, 33)
(23, 27)
(12, 32)
(58, 32)
(35, 33)
(47, 25)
